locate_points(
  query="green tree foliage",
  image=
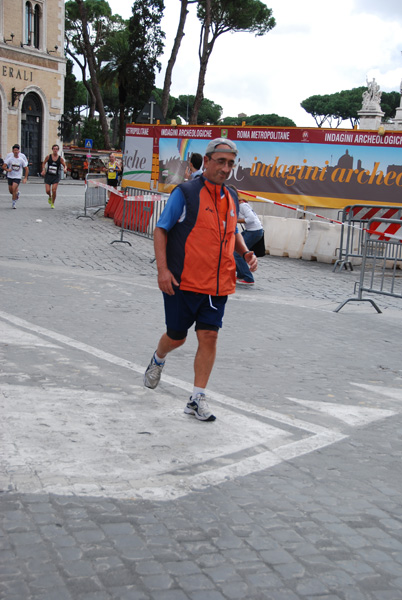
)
(130, 59)
(332, 109)
(221, 16)
(164, 101)
(115, 75)
(209, 112)
(271, 120)
(75, 96)
(101, 24)
(145, 47)
(88, 25)
(317, 106)
(157, 93)
(118, 54)
(180, 108)
(345, 106)
(110, 96)
(91, 130)
(390, 101)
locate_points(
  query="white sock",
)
(158, 360)
(197, 390)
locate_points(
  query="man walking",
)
(194, 241)
(15, 165)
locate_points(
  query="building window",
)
(32, 24)
(28, 23)
(36, 26)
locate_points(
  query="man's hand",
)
(166, 280)
(251, 261)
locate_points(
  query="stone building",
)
(32, 72)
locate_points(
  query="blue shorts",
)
(183, 309)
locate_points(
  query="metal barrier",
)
(382, 257)
(141, 211)
(95, 195)
(354, 220)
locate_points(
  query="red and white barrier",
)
(295, 208)
(385, 231)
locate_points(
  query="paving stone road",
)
(109, 491)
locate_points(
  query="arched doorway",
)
(31, 132)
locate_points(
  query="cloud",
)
(315, 48)
(387, 10)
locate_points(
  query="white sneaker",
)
(198, 407)
(152, 375)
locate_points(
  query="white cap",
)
(212, 146)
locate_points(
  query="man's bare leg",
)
(54, 192)
(166, 345)
(203, 363)
(205, 357)
(154, 370)
(48, 192)
(13, 189)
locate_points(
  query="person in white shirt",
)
(21, 155)
(252, 234)
(15, 165)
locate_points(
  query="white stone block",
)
(322, 242)
(285, 237)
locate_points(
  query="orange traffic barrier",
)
(137, 214)
(114, 202)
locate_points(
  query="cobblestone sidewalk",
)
(108, 491)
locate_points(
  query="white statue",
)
(372, 95)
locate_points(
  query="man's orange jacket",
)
(200, 246)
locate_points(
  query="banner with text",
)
(312, 167)
(137, 157)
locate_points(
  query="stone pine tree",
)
(88, 25)
(74, 98)
(93, 73)
(96, 14)
(115, 74)
(131, 59)
(173, 56)
(179, 108)
(145, 47)
(331, 110)
(222, 16)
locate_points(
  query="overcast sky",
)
(317, 47)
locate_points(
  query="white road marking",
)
(81, 442)
(394, 393)
(355, 416)
(73, 438)
(11, 335)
